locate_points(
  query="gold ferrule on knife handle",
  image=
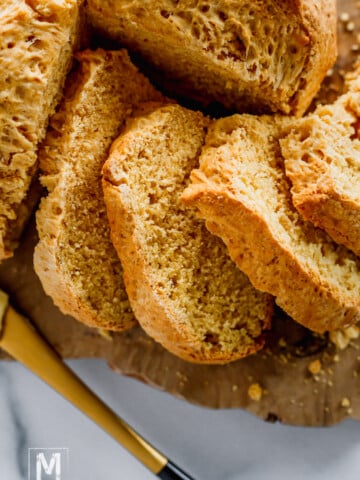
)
(22, 342)
(4, 303)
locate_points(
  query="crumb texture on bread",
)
(36, 44)
(322, 160)
(184, 289)
(75, 259)
(243, 193)
(259, 56)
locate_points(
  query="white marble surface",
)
(212, 445)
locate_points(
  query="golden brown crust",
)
(158, 313)
(36, 47)
(257, 247)
(322, 160)
(75, 260)
(320, 20)
(153, 310)
(57, 286)
(156, 317)
(269, 266)
(250, 57)
(338, 215)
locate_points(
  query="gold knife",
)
(20, 339)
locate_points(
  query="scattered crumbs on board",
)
(314, 367)
(342, 337)
(345, 403)
(255, 392)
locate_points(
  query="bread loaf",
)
(75, 259)
(258, 56)
(243, 193)
(36, 44)
(322, 160)
(184, 289)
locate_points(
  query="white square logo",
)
(48, 464)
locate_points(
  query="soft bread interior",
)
(242, 161)
(205, 297)
(75, 254)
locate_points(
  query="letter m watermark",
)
(48, 463)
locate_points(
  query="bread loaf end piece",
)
(264, 56)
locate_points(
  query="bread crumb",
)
(352, 332)
(344, 17)
(345, 402)
(283, 358)
(183, 378)
(341, 338)
(336, 358)
(234, 388)
(282, 342)
(350, 27)
(255, 392)
(314, 367)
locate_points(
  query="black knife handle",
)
(172, 472)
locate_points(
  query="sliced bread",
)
(251, 56)
(183, 287)
(322, 160)
(36, 43)
(243, 193)
(75, 259)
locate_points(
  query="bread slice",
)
(75, 259)
(185, 291)
(250, 56)
(243, 193)
(36, 44)
(322, 160)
